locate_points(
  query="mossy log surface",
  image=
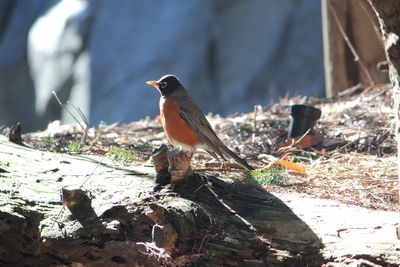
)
(65, 210)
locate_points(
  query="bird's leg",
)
(189, 154)
(223, 162)
(224, 166)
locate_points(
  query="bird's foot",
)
(189, 154)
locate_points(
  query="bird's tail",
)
(238, 159)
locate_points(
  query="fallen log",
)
(199, 220)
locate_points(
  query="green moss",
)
(75, 146)
(48, 140)
(121, 155)
(271, 176)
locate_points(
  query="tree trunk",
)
(388, 13)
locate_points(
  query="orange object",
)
(176, 129)
(290, 165)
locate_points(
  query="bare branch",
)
(80, 113)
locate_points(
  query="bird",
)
(185, 124)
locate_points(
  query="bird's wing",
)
(196, 120)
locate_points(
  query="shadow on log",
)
(119, 218)
(79, 204)
(249, 225)
(240, 225)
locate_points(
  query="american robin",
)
(185, 124)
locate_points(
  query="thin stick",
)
(85, 121)
(80, 113)
(349, 44)
(256, 107)
(84, 118)
(228, 165)
(213, 169)
(58, 216)
(91, 174)
(203, 239)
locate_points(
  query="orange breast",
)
(175, 128)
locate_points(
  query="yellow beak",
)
(154, 83)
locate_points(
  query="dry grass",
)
(359, 166)
(354, 178)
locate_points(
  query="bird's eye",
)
(163, 84)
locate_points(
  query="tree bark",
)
(179, 164)
(388, 13)
(114, 217)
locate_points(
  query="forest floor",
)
(356, 163)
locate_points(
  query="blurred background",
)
(229, 54)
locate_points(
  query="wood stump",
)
(179, 164)
(161, 164)
(173, 165)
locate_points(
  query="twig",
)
(256, 107)
(85, 120)
(214, 169)
(269, 252)
(227, 165)
(255, 130)
(195, 191)
(368, 263)
(80, 113)
(91, 174)
(209, 236)
(292, 147)
(349, 44)
(58, 216)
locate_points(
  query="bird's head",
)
(166, 84)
